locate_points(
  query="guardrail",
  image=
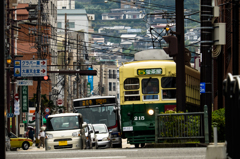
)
(192, 125)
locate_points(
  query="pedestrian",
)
(30, 134)
(42, 138)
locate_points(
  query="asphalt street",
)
(128, 152)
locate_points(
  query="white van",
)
(65, 131)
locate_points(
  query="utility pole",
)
(37, 116)
(180, 62)
(8, 71)
(66, 62)
(206, 64)
(2, 81)
(77, 68)
(13, 86)
(235, 36)
(100, 83)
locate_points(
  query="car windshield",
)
(100, 128)
(63, 123)
(90, 127)
(99, 115)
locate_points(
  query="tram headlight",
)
(150, 112)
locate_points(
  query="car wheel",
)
(142, 145)
(25, 145)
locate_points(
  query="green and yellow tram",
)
(147, 83)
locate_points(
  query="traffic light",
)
(172, 49)
(43, 78)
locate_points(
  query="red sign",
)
(16, 97)
(59, 101)
(33, 118)
(170, 107)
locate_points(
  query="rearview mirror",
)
(91, 131)
(96, 132)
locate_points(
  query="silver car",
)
(103, 135)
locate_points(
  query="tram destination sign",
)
(152, 71)
(90, 102)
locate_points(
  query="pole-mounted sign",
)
(30, 68)
(24, 99)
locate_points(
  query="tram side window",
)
(131, 84)
(150, 86)
(168, 82)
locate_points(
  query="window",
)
(71, 24)
(150, 86)
(114, 74)
(169, 94)
(114, 86)
(59, 24)
(110, 74)
(110, 86)
(131, 83)
(168, 82)
(126, 6)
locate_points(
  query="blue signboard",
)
(30, 68)
(10, 115)
(202, 87)
(90, 80)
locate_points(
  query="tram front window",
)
(151, 87)
(99, 115)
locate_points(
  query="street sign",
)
(16, 108)
(47, 110)
(46, 116)
(10, 115)
(16, 97)
(21, 128)
(24, 99)
(30, 68)
(88, 89)
(202, 87)
(90, 80)
(59, 101)
(24, 82)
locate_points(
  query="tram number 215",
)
(139, 118)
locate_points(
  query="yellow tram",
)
(149, 82)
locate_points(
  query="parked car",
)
(17, 142)
(103, 135)
(93, 136)
(88, 139)
(7, 141)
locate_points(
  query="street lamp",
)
(9, 59)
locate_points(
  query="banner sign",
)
(90, 80)
(24, 99)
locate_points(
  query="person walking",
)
(30, 134)
(42, 138)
